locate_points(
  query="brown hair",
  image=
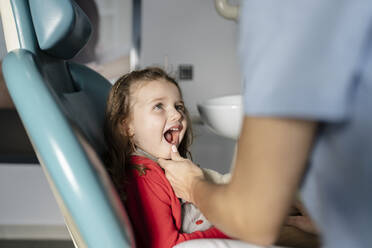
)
(119, 144)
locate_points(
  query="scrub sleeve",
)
(312, 60)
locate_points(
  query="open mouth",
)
(172, 134)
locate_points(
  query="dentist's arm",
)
(271, 159)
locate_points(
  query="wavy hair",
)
(118, 109)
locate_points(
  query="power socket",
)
(185, 72)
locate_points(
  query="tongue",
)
(175, 138)
(171, 137)
(168, 136)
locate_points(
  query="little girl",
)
(145, 116)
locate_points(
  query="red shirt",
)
(154, 209)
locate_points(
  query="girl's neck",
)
(139, 152)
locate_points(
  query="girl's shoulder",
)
(148, 175)
(144, 167)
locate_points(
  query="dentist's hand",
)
(302, 221)
(182, 174)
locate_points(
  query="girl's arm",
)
(149, 207)
(271, 158)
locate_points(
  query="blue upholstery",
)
(61, 105)
(25, 30)
(61, 28)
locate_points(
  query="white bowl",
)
(223, 115)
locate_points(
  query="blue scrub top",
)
(313, 60)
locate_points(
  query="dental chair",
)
(62, 105)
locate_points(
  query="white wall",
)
(27, 206)
(115, 29)
(31, 201)
(191, 32)
(212, 151)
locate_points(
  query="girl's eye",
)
(158, 106)
(180, 108)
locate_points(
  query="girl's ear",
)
(127, 128)
(130, 131)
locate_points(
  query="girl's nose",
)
(175, 115)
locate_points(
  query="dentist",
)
(308, 124)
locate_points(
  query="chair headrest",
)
(62, 28)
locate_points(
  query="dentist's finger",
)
(303, 223)
(175, 156)
(163, 163)
(166, 163)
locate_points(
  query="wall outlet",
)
(185, 72)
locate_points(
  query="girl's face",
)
(157, 117)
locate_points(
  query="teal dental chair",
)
(62, 105)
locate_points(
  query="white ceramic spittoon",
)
(223, 115)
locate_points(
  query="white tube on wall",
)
(9, 26)
(227, 10)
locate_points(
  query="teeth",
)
(174, 129)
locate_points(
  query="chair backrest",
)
(61, 105)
